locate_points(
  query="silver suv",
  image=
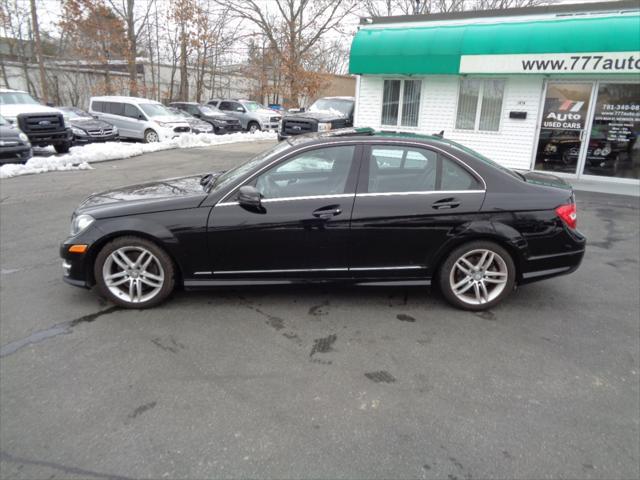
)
(252, 115)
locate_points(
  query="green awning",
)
(438, 49)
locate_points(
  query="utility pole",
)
(36, 35)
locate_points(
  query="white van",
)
(138, 118)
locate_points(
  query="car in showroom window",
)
(350, 206)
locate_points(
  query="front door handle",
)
(446, 203)
(327, 212)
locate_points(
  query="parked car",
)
(42, 124)
(139, 118)
(352, 206)
(328, 113)
(14, 145)
(221, 122)
(252, 115)
(86, 128)
(196, 125)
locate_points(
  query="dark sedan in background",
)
(14, 145)
(86, 128)
(221, 122)
(351, 206)
(197, 125)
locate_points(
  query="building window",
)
(480, 104)
(401, 113)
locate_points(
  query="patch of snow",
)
(80, 158)
(330, 110)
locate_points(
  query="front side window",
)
(480, 104)
(131, 111)
(401, 102)
(322, 171)
(396, 169)
(154, 110)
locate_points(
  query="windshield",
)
(16, 98)
(484, 159)
(252, 106)
(235, 173)
(75, 113)
(154, 110)
(177, 111)
(332, 105)
(207, 110)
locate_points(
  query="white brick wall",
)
(511, 146)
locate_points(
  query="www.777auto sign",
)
(556, 63)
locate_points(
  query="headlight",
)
(206, 127)
(324, 127)
(606, 150)
(77, 131)
(550, 148)
(23, 137)
(80, 223)
(115, 129)
(164, 125)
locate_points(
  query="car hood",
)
(319, 116)
(12, 111)
(8, 133)
(161, 195)
(89, 123)
(266, 112)
(169, 119)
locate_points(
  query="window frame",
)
(476, 123)
(398, 123)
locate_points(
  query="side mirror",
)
(240, 109)
(140, 116)
(197, 115)
(249, 196)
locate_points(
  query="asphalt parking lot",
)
(311, 382)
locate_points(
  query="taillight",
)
(569, 214)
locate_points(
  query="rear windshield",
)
(484, 159)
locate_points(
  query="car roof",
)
(7, 90)
(353, 99)
(114, 98)
(363, 133)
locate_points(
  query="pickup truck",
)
(327, 113)
(43, 125)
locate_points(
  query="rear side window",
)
(114, 108)
(400, 169)
(97, 106)
(131, 111)
(396, 169)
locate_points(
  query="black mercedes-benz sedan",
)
(86, 128)
(350, 205)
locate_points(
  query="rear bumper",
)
(535, 268)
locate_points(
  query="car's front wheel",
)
(134, 272)
(151, 136)
(253, 127)
(477, 275)
(62, 147)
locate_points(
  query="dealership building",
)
(553, 89)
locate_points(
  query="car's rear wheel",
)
(477, 275)
(151, 136)
(134, 272)
(253, 127)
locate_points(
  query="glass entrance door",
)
(614, 146)
(562, 128)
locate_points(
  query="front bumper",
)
(15, 154)
(82, 140)
(222, 129)
(50, 138)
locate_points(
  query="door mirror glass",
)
(240, 109)
(249, 196)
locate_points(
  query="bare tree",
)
(36, 35)
(135, 21)
(293, 28)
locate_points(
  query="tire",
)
(151, 136)
(62, 147)
(497, 274)
(253, 127)
(140, 285)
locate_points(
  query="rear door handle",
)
(446, 203)
(327, 212)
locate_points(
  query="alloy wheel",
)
(152, 137)
(133, 274)
(478, 276)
